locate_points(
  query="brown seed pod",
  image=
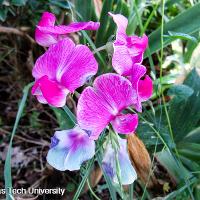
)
(140, 159)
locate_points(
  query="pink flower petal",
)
(99, 105)
(92, 114)
(128, 50)
(82, 66)
(138, 71)
(145, 88)
(66, 65)
(122, 24)
(52, 92)
(71, 28)
(54, 60)
(121, 60)
(116, 90)
(41, 99)
(137, 46)
(43, 39)
(47, 33)
(125, 123)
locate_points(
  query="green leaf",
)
(185, 113)
(169, 162)
(132, 18)
(175, 193)
(190, 47)
(104, 19)
(63, 121)
(86, 10)
(84, 179)
(190, 150)
(182, 36)
(3, 13)
(193, 136)
(7, 166)
(181, 92)
(61, 4)
(186, 23)
(19, 2)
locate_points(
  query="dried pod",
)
(94, 178)
(140, 159)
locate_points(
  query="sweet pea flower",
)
(128, 174)
(128, 50)
(62, 69)
(70, 148)
(103, 104)
(142, 87)
(47, 33)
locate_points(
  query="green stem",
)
(116, 146)
(163, 98)
(142, 30)
(149, 18)
(100, 49)
(95, 196)
(84, 179)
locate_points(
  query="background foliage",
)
(169, 125)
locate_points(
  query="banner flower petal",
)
(128, 50)
(100, 105)
(69, 149)
(62, 69)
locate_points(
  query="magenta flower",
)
(128, 50)
(104, 103)
(62, 69)
(128, 173)
(142, 87)
(47, 33)
(69, 149)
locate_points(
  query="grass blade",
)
(107, 6)
(180, 24)
(107, 178)
(84, 179)
(7, 167)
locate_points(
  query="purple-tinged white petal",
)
(128, 173)
(121, 60)
(69, 149)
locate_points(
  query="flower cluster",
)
(64, 67)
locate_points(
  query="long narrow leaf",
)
(7, 167)
(186, 23)
(107, 178)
